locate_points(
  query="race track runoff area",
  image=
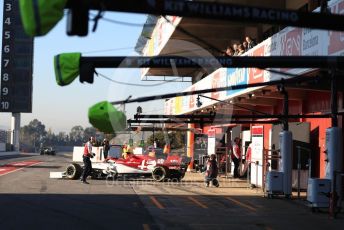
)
(15, 166)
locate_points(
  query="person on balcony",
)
(245, 45)
(229, 51)
(250, 42)
(235, 48)
(241, 49)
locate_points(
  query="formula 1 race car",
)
(160, 167)
(47, 151)
(101, 168)
(99, 171)
(171, 167)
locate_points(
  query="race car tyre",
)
(112, 177)
(159, 174)
(73, 171)
(180, 178)
(147, 175)
(215, 182)
(96, 174)
(176, 179)
(182, 175)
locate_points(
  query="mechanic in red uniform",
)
(236, 156)
(248, 153)
(87, 161)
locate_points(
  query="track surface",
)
(30, 199)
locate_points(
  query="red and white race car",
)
(151, 163)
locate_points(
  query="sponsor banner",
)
(151, 46)
(173, 107)
(217, 79)
(161, 34)
(200, 145)
(272, 46)
(192, 98)
(215, 83)
(167, 107)
(290, 40)
(179, 105)
(313, 42)
(257, 131)
(236, 76)
(256, 75)
(214, 80)
(257, 155)
(336, 43)
(211, 141)
(211, 132)
(185, 104)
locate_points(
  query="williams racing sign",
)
(222, 11)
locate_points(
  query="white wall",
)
(300, 130)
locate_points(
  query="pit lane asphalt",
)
(30, 200)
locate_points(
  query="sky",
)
(61, 108)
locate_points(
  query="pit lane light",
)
(69, 65)
(77, 18)
(40, 16)
(199, 103)
(106, 118)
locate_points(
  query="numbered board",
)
(16, 62)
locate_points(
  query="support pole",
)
(190, 145)
(334, 99)
(15, 130)
(334, 145)
(298, 171)
(285, 108)
(286, 145)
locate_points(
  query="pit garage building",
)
(172, 35)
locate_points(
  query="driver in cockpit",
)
(127, 153)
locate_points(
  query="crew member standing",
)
(87, 161)
(236, 156)
(211, 172)
(106, 148)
